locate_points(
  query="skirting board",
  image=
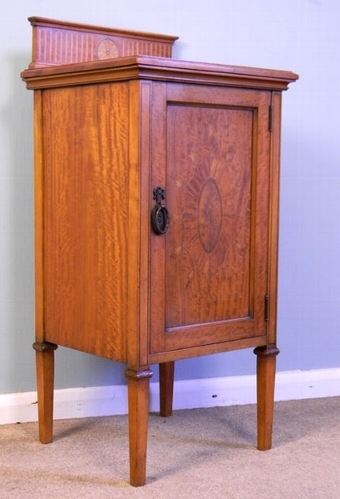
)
(197, 393)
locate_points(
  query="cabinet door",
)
(209, 271)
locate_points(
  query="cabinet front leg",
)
(45, 386)
(138, 396)
(166, 388)
(266, 369)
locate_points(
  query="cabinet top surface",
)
(157, 68)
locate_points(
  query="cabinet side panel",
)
(86, 217)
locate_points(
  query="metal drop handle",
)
(160, 217)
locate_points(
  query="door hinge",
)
(267, 308)
(270, 119)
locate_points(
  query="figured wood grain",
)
(86, 218)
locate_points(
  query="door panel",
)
(209, 192)
(209, 271)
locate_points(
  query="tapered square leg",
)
(266, 370)
(138, 396)
(166, 388)
(45, 386)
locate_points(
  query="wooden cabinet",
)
(157, 193)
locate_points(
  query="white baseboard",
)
(197, 393)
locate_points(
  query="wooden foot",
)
(266, 369)
(45, 385)
(138, 394)
(166, 388)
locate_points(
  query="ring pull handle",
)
(160, 217)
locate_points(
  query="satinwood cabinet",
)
(157, 197)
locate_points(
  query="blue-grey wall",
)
(298, 35)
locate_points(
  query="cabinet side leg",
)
(166, 388)
(138, 396)
(266, 369)
(45, 385)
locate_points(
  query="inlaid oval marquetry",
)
(210, 212)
